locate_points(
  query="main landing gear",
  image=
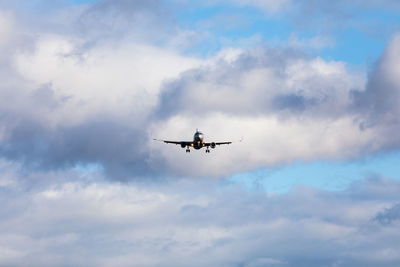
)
(188, 150)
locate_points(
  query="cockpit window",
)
(198, 135)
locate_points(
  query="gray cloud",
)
(293, 102)
(258, 82)
(390, 215)
(49, 121)
(381, 93)
(379, 102)
(99, 140)
(194, 223)
(139, 19)
(29, 136)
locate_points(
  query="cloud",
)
(390, 215)
(250, 85)
(62, 105)
(379, 101)
(78, 110)
(138, 19)
(192, 223)
(327, 19)
(268, 141)
(6, 27)
(107, 76)
(383, 86)
(287, 106)
(68, 103)
(317, 42)
(267, 6)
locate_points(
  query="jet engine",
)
(212, 145)
(183, 145)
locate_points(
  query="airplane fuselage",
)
(198, 142)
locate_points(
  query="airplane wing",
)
(217, 143)
(213, 144)
(185, 143)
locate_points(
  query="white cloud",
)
(115, 78)
(287, 107)
(268, 141)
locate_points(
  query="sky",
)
(312, 87)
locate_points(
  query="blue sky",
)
(312, 87)
(327, 175)
(360, 40)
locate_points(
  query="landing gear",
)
(207, 150)
(187, 150)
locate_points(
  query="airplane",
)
(197, 143)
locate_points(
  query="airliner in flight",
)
(197, 143)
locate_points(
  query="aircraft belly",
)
(197, 145)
